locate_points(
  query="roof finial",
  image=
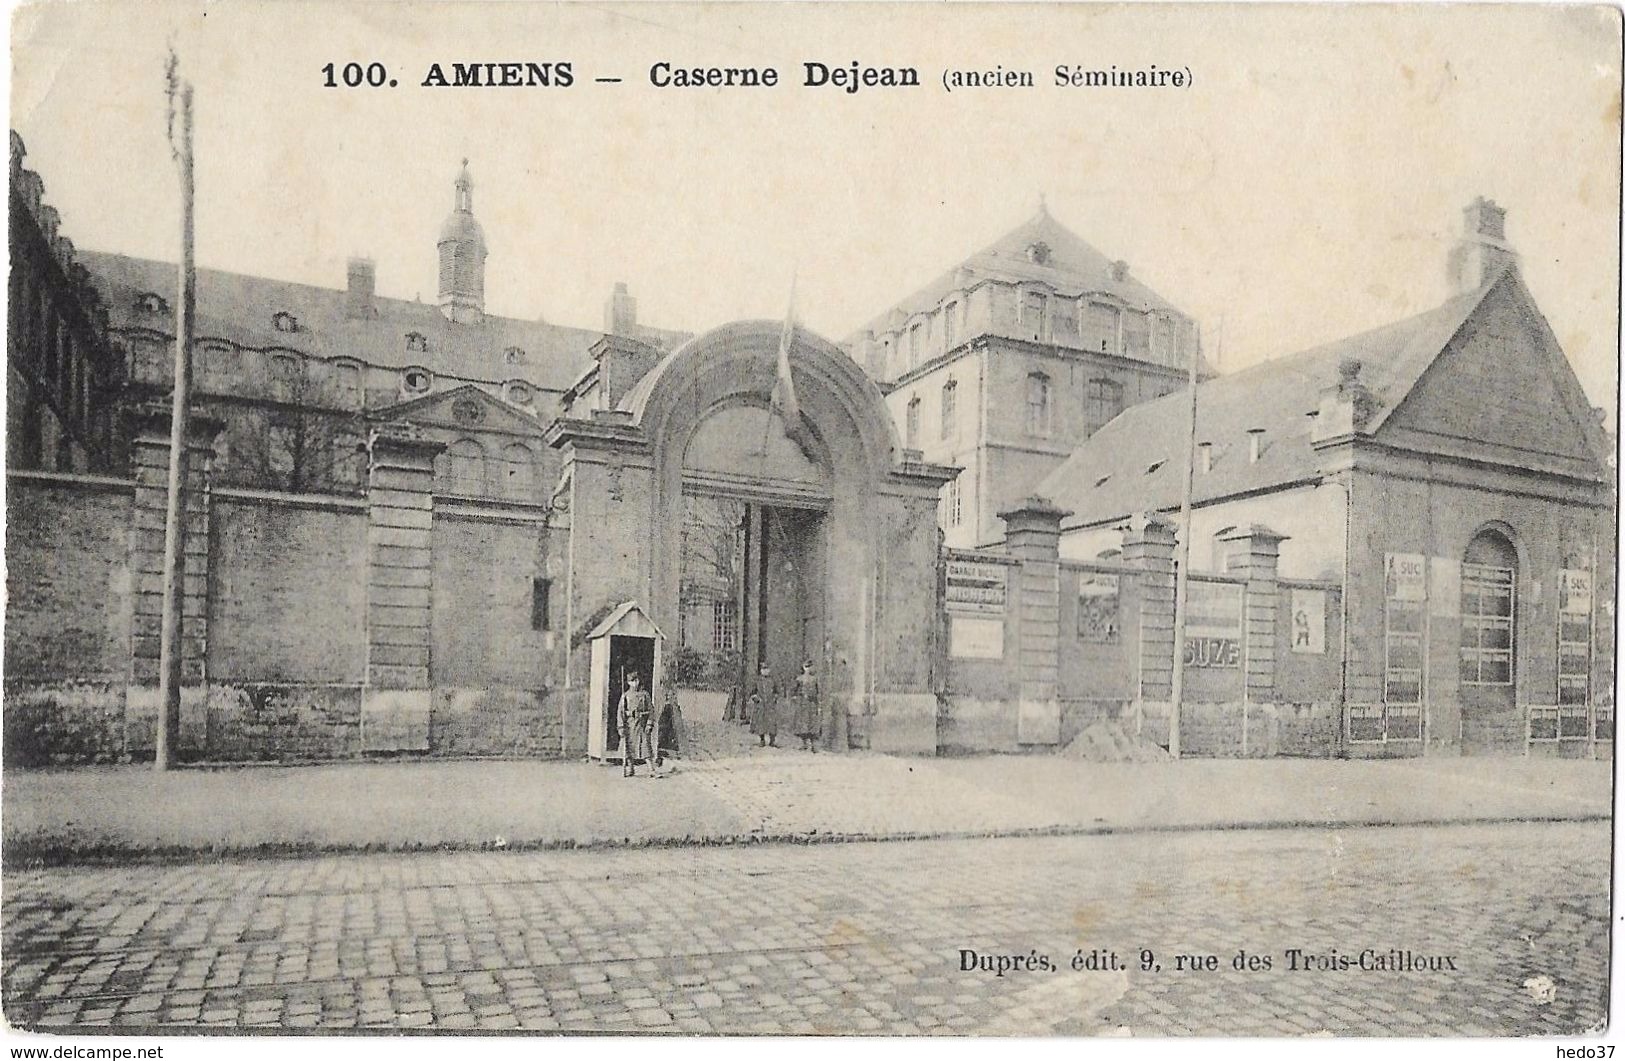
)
(464, 199)
(1043, 204)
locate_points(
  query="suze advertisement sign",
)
(1212, 624)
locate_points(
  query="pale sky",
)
(1306, 187)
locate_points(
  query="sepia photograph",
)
(782, 520)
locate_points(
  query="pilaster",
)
(400, 576)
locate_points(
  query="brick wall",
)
(287, 603)
(68, 581)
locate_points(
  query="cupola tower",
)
(462, 257)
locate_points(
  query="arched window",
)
(285, 375)
(1038, 404)
(950, 408)
(1102, 401)
(1489, 584)
(913, 422)
(518, 473)
(461, 469)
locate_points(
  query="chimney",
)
(363, 281)
(620, 312)
(1481, 253)
(1255, 444)
(1204, 457)
(1346, 407)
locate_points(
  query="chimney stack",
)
(1481, 253)
(363, 281)
(620, 312)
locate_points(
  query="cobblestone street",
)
(846, 938)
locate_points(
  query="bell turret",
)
(462, 257)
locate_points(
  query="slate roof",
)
(239, 309)
(1276, 395)
(1074, 267)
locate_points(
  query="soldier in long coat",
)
(807, 714)
(764, 708)
(637, 726)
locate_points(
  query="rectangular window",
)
(949, 408)
(954, 509)
(724, 626)
(1100, 327)
(1486, 625)
(1037, 404)
(540, 604)
(912, 426)
(950, 325)
(1137, 335)
(1034, 310)
(1574, 659)
(1402, 675)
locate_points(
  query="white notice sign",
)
(975, 638)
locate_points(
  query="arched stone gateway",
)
(822, 549)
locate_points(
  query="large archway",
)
(846, 528)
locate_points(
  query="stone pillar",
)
(609, 467)
(151, 464)
(1255, 553)
(1148, 544)
(396, 698)
(1033, 535)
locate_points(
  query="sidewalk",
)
(125, 812)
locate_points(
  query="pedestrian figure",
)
(637, 722)
(764, 709)
(669, 735)
(806, 716)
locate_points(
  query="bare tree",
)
(307, 441)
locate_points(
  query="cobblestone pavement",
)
(853, 938)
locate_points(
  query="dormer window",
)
(1038, 253)
(151, 302)
(1101, 481)
(1154, 465)
(284, 321)
(416, 380)
(514, 355)
(417, 342)
(519, 394)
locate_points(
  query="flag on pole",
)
(783, 400)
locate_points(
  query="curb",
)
(22, 857)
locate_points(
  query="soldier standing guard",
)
(637, 723)
(807, 714)
(764, 709)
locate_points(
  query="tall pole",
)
(1182, 565)
(170, 644)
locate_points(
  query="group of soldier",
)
(765, 704)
